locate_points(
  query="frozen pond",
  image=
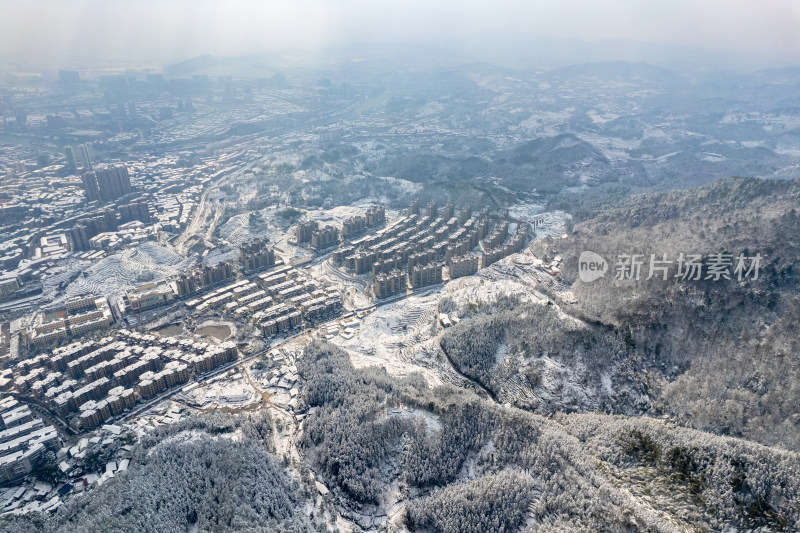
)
(170, 330)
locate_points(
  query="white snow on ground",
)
(545, 123)
(369, 201)
(554, 221)
(402, 336)
(613, 148)
(166, 412)
(430, 109)
(336, 215)
(220, 255)
(711, 156)
(113, 275)
(502, 353)
(237, 229)
(229, 390)
(563, 384)
(312, 174)
(485, 289)
(61, 274)
(605, 379)
(432, 421)
(388, 336)
(598, 118)
(400, 185)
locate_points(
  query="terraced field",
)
(113, 275)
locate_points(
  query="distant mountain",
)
(622, 71)
(565, 149)
(250, 66)
(549, 164)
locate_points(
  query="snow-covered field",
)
(396, 336)
(113, 275)
(220, 255)
(237, 230)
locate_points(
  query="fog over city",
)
(399, 266)
(739, 33)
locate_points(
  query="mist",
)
(736, 34)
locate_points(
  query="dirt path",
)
(265, 396)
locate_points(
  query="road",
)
(45, 412)
(224, 368)
(202, 212)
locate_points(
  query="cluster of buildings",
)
(387, 284)
(47, 225)
(11, 252)
(202, 277)
(76, 317)
(462, 265)
(281, 376)
(24, 440)
(492, 254)
(147, 296)
(238, 296)
(256, 255)
(309, 231)
(326, 237)
(37, 250)
(278, 300)
(136, 210)
(106, 184)
(306, 229)
(72, 165)
(410, 240)
(128, 234)
(414, 250)
(9, 283)
(90, 230)
(354, 226)
(173, 212)
(29, 254)
(91, 381)
(292, 300)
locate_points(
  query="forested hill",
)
(460, 464)
(720, 355)
(718, 199)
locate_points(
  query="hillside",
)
(717, 355)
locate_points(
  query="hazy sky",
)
(754, 31)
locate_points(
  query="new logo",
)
(591, 267)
